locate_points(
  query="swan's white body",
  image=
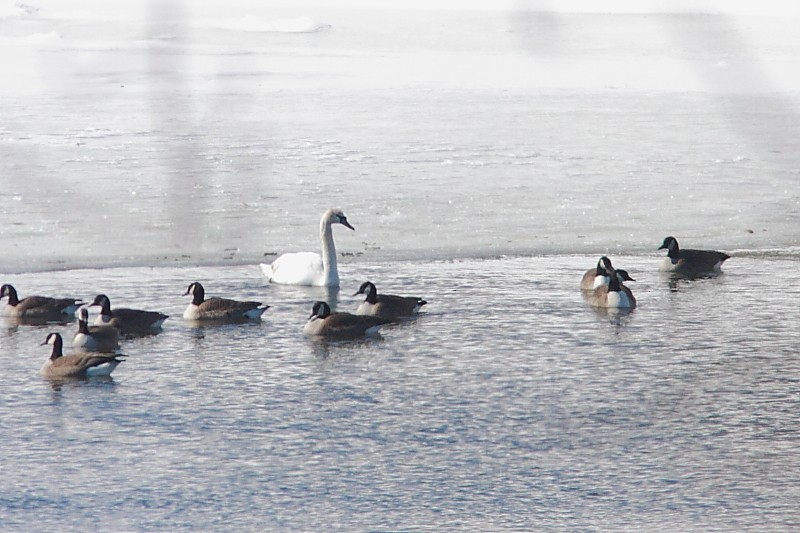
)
(310, 268)
(302, 268)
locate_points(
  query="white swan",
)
(309, 268)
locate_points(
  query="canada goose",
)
(386, 305)
(38, 307)
(341, 325)
(594, 277)
(309, 268)
(78, 365)
(219, 308)
(128, 321)
(612, 296)
(95, 338)
(690, 262)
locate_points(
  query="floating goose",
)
(341, 325)
(309, 268)
(689, 262)
(78, 365)
(128, 321)
(219, 308)
(387, 305)
(595, 277)
(94, 338)
(614, 295)
(38, 307)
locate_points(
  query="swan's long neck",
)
(328, 253)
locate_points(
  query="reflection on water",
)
(325, 348)
(13, 322)
(60, 382)
(618, 317)
(677, 282)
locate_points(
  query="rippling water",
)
(486, 159)
(508, 404)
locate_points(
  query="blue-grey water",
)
(508, 405)
(486, 160)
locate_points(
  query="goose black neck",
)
(613, 282)
(11, 292)
(198, 294)
(673, 252)
(105, 305)
(58, 347)
(372, 294)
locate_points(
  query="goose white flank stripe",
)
(78, 365)
(387, 305)
(219, 308)
(310, 268)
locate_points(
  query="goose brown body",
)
(77, 365)
(37, 307)
(222, 309)
(387, 305)
(615, 295)
(688, 262)
(325, 323)
(594, 277)
(128, 321)
(94, 338)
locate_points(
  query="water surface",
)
(486, 160)
(508, 404)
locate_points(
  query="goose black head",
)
(622, 275)
(55, 340)
(320, 310)
(369, 290)
(603, 266)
